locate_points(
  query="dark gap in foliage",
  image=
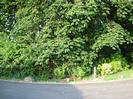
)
(127, 51)
(106, 52)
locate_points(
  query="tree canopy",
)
(39, 35)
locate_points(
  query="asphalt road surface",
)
(110, 90)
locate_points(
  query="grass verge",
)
(123, 75)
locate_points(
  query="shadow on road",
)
(11, 90)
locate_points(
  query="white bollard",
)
(94, 72)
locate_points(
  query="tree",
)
(67, 33)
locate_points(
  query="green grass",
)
(126, 74)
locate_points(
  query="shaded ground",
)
(110, 90)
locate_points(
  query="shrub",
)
(110, 68)
(59, 72)
(78, 72)
(117, 59)
(105, 68)
(115, 64)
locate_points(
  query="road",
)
(109, 90)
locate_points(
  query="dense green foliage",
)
(113, 64)
(64, 38)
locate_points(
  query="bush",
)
(115, 64)
(105, 68)
(77, 72)
(118, 59)
(59, 72)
